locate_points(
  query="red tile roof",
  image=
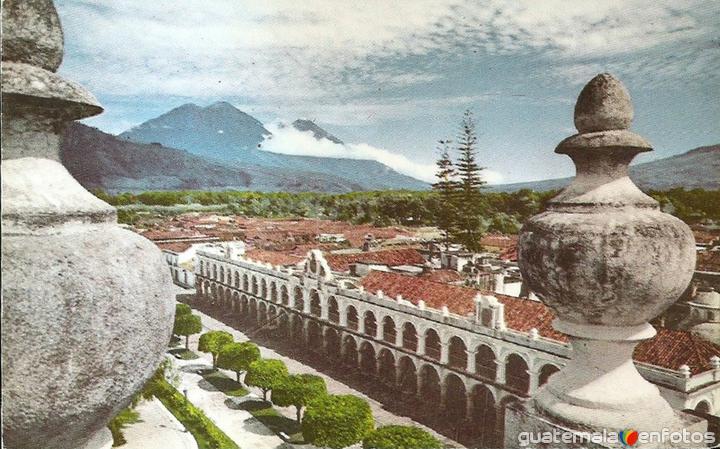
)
(443, 276)
(509, 253)
(392, 258)
(522, 314)
(172, 235)
(674, 348)
(274, 257)
(176, 247)
(499, 240)
(708, 261)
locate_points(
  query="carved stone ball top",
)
(603, 105)
(32, 33)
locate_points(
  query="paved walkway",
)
(158, 429)
(382, 416)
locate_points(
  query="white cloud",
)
(289, 140)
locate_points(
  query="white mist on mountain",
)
(289, 140)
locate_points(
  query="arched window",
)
(333, 310)
(545, 372)
(299, 299)
(246, 283)
(370, 324)
(458, 353)
(516, 374)
(236, 281)
(389, 332)
(352, 318)
(315, 306)
(703, 407)
(409, 337)
(432, 344)
(222, 274)
(485, 364)
(284, 295)
(273, 292)
(254, 286)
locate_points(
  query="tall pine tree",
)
(447, 189)
(469, 224)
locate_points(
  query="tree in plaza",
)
(266, 374)
(468, 201)
(182, 309)
(400, 437)
(238, 357)
(337, 421)
(213, 342)
(298, 390)
(447, 188)
(187, 325)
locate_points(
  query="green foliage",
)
(400, 437)
(182, 309)
(445, 212)
(116, 425)
(187, 325)
(206, 433)
(337, 421)
(298, 390)
(213, 342)
(238, 357)
(691, 206)
(266, 374)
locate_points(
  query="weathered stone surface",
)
(85, 322)
(604, 104)
(32, 33)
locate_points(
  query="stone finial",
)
(603, 105)
(534, 334)
(684, 370)
(32, 33)
(715, 362)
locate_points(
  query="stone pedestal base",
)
(527, 427)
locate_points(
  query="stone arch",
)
(332, 343)
(315, 336)
(455, 398)
(253, 310)
(386, 367)
(501, 408)
(485, 363)
(484, 416)
(246, 282)
(296, 330)
(430, 389)
(315, 303)
(236, 302)
(545, 372)
(517, 377)
(370, 323)
(263, 289)
(236, 279)
(457, 353)
(368, 360)
(350, 351)
(389, 331)
(407, 376)
(299, 298)
(273, 292)
(272, 313)
(254, 285)
(262, 313)
(283, 324)
(409, 337)
(352, 319)
(244, 306)
(333, 310)
(222, 274)
(433, 347)
(284, 295)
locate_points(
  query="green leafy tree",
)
(400, 437)
(298, 390)
(337, 421)
(213, 342)
(187, 325)
(469, 199)
(237, 357)
(182, 309)
(447, 188)
(266, 374)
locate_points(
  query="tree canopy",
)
(266, 374)
(298, 390)
(182, 309)
(237, 357)
(400, 437)
(213, 342)
(337, 421)
(187, 325)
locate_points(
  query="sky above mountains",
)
(396, 76)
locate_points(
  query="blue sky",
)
(394, 77)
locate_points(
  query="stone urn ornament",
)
(606, 260)
(87, 306)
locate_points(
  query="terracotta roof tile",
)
(674, 348)
(274, 257)
(176, 247)
(708, 261)
(443, 276)
(393, 258)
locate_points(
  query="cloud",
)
(289, 140)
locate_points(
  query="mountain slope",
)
(100, 160)
(698, 168)
(196, 129)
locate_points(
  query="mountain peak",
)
(319, 133)
(223, 105)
